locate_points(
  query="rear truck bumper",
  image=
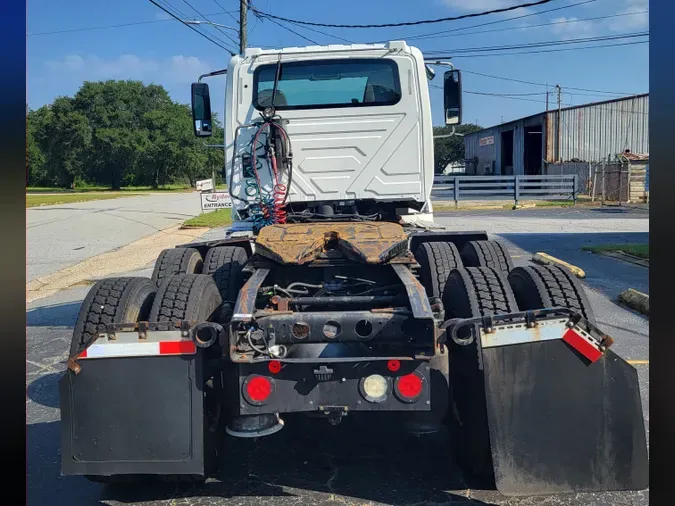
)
(563, 410)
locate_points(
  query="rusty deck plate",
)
(300, 243)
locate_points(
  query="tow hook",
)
(334, 414)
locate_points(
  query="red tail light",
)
(409, 387)
(393, 365)
(274, 366)
(258, 389)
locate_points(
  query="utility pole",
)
(559, 132)
(243, 11)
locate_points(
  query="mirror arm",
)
(210, 74)
(449, 135)
(440, 63)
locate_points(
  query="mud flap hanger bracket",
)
(203, 334)
(490, 324)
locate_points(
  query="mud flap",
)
(133, 415)
(559, 422)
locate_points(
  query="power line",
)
(184, 16)
(481, 55)
(213, 25)
(510, 94)
(498, 95)
(326, 34)
(407, 23)
(542, 84)
(511, 28)
(191, 27)
(293, 31)
(538, 13)
(229, 13)
(452, 52)
(103, 27)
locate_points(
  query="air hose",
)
(269, 208)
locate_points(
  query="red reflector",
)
(258, 388)
(393, 365)
(274, 366)
(177, 347)
(582, 345)
(83, 354)
(410, 386)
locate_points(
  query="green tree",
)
(36, 145)
(450, 149)
(68, 143)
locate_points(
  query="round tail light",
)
(257, 389)
(393, 365)
(409, 387)
(374, 388)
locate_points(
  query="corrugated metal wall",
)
(592, 132)
(491, 154)
(487, 155)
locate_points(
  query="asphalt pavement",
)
(309, 462)
(63, 235)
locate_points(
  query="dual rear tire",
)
(176, 292)
(484, 282)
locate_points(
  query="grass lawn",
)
(89, 189)
(213, 219)
(34, 200)
(637, 250)
(465, 205)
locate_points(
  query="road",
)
(60, 236)
(311, 463)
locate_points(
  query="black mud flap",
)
(133, 415)
(559, 423)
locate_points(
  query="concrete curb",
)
(625, 257)
(635, 300)
(545, 259)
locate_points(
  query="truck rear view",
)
(332, 295)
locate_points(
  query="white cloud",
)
(570, 28)
(162, 16)
(177, 69)
(185, 69)
(633, 22)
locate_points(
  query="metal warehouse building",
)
(582, 133)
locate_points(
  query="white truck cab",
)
(357, 119)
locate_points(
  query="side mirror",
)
(201, 110)
(452, 97)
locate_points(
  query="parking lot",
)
(310, 462)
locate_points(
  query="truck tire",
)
(487, 254)
(224, 264)
(437, 260)
(111, 300)
(541, 286)
(191, 297)
(176, 261)
(473, 292)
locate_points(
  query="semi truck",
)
(334, 294)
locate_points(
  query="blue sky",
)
(164, 51)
